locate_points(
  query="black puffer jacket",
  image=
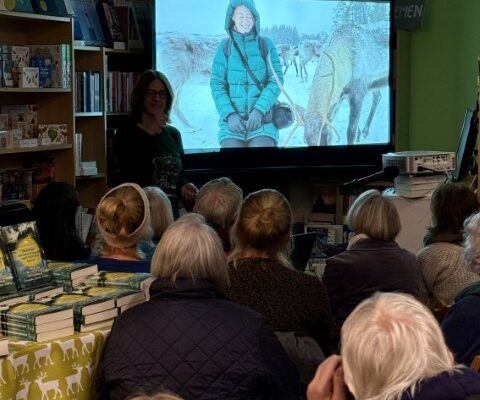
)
(193, 342)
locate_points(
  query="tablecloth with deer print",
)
(63, 368)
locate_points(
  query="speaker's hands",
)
(254, 120)
(235, 123)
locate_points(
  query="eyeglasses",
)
(153, 93)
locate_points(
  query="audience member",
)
(158, 396)
(188, 338)
(373, 260)
(161, 217)
(461, 324)
(295, 304)
(123, 221)
(393, 349)
(219, 201)
(54, 211)
(441, 263)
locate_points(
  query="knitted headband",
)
(139, 233)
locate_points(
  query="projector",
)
(421, 162)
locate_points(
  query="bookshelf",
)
(59, 105)
(55, 105)
(91, 124)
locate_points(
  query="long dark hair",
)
(54, 210)
(451, 204)
(138, 93)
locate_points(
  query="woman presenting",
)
(149, 151)
(243, 85)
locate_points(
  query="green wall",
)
(437, 75)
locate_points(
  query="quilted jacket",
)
(191, 341)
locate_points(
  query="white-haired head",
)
(390, 342)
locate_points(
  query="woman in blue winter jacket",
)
(245, 108)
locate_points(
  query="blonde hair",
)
(161, 214)
(390, 342)
(263, 226)
(190, 248)
(218, 201)
(123, 220)
(375, 215)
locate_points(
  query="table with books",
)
(55, 316)
(61, 368)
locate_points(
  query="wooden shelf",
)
(35, 90)
(117, 114)
(124, 51)
(36, 149)
(88, 114)
(78, 47)
(88, 177)
(36, 17)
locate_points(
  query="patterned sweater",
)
(289, 300)
(443, 273)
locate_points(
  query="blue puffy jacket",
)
(233, 89)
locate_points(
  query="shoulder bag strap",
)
(247, 67)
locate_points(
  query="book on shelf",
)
(44, 291)
(131, 280)
(122, 296)
(34, 313)
(27, 258)
(82, 304)
(70, 274)
(40, 337)
(105, 315)
(87, 27)
(95, 326)
(127, 306)
(17, 6)
(110, 24)
(41, 328)
(7, 283)
(14, 298)
(50, 7)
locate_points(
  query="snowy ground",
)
(197, 104)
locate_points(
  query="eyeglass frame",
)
(162, 94)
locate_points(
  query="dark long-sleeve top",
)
(366, 267)
(290, 300)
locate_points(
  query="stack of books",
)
(70, 275)
(128, 280)
(413, 186)
(90, 312)
(36, 321)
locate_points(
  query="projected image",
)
(232, 62)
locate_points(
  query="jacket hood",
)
(250, 4)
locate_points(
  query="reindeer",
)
(23, 393)
(183, 56)
(351, 66)
(87, 339)
(287, 54)
(20, 361)
(74, 378)
(46, 386)
(44, 352)
(2, 381)
(308, 50)
(68, 345)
